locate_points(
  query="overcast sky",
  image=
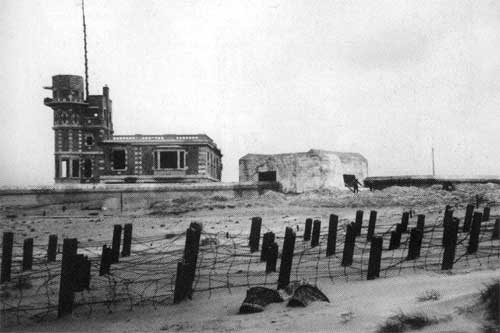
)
(385, 79)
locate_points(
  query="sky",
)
(387, 79)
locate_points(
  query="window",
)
(87, 168)
(89, 140)
(75, 168)
(170, 159)
(64, 169)
(118, 159)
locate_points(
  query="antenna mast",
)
(85, 52)
(433, 170)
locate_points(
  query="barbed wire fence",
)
(161, 269)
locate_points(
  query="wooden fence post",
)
(332, 235)
(52, 248)
(316, 233)
(404, 222)
(496, 230)
(450, 245)
(115, 246)
(486, 213)
(468, 217)
(127, 240)
(307, 229)
(272, 258)
(350, 239)
(254, 239)
(7, 243)
(395, 240)
(267, 240)
(421, 222)
(286, 258)
(359, 222)
(415, 243)
(375, 256)
(474, 233)
(106, 260)
(66, 294)
(193, 234)
(28, 254)
(448, 220)
(371, 225)
(180, 283)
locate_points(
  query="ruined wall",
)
(308, 171)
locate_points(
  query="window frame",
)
(157, 159)
(125, 159)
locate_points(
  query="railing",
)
(166, 137)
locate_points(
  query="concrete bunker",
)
(305, 171)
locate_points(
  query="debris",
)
(305, 294)
(257, 298)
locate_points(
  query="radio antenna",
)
(85, 52)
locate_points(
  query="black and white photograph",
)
(250, 166)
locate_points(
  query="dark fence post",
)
(421, 222)
(332, 235)
(52, 248)
(255, 234)
(115, 247)
(28, 254)
(316, 233)
(180, 283)
(468, 217)
(474, 233)
(350, 239)
(193, 234)
(486, 213)
(415, 243)
(272, 258)
(375, 256)
(127, 240)
(7, 243)
(307, 229)
(286, 258)
(106, 260)
(496, 230)
(395, 240)
(404, 222)
(450, 245)
(267, 240)
(448, 220)
(66, 294)
(371, 224)
(359, 222)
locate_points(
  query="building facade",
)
(87, 151)
(307, 171)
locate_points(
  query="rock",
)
(257, 298)
(305, 294)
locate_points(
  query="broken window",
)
(118, 158)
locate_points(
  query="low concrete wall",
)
(421, 181)
(125, 196)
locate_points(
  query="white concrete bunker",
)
(300, 172)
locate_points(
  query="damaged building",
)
(87, 151)
(300, 172)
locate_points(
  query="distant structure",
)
(86, 151)
(300, 172)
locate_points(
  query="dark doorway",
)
(267, 176)
(87, 168)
